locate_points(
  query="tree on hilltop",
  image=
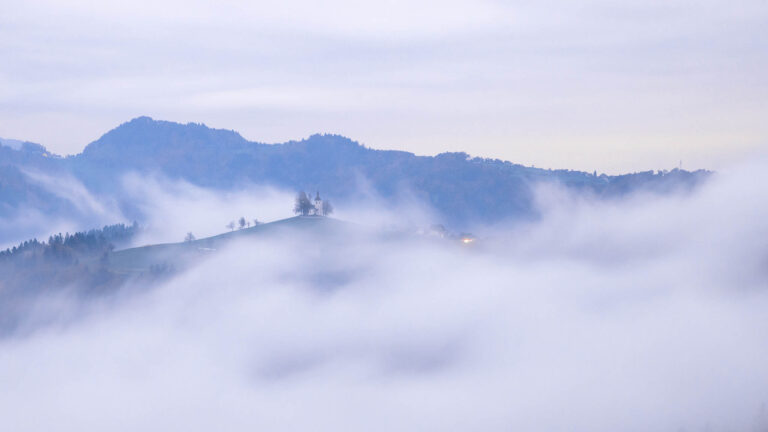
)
(302, 205)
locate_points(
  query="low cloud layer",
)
(168, 209)
(645, 314)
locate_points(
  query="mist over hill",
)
(460, 189)
(639, 314)
(631, 302)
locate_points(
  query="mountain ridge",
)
(462, 189)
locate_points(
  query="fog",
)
(646, 314)
(85, 210)
(172, 208)
(168, 209)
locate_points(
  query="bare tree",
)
(231, 226)
(256, 222)
(189, 237)
(241, 222)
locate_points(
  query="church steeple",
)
(318, 205)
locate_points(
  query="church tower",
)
(318, 205)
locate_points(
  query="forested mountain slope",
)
(462, 189)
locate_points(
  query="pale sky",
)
(593, 85)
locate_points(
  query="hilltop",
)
(161, 257)
(101, 260)
(88, 265)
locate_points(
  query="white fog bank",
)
(643, 315)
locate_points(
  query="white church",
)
(318, 209)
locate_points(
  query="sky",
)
(592, 85)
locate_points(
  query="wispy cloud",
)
(646, 314)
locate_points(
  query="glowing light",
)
(467, 240)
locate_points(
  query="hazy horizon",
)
(17, 141)
(593, 85)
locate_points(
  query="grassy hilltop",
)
(157, 257)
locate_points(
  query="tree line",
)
(82, 243)
(79, 260)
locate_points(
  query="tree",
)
(241, 222)
(327, 207)
(256, 222)
(231, 226)
(189, 237)
(302, 205)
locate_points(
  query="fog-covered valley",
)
(461, 215)
(640, 313)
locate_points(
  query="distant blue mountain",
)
(15, 189)
(462, 189)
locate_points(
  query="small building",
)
(318, 208)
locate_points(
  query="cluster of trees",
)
(239, 224)
(304, 206)
(77, 245)
(242, 223)
(64, 260)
